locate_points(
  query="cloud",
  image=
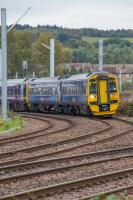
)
(101, 14)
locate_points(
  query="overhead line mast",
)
(100, 55)
(4, 32)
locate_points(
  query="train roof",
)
(20, 81)
(55, 79)
(45, 79)
(100, 73)
(59, 78)
(75, 77)
(83, 76)
(14, 81)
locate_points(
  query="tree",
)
(85, 54)
(67, 54)
(63, 37)
(19, 49)
(41, 54)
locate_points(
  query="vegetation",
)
(127, 87)
(91, 32)
(110, 197)
(72, 45)
(12, 124)
(126, 108)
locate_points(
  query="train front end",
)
(103, 94)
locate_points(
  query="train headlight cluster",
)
(92, 96)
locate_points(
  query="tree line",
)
(25, 43)
(92, 32)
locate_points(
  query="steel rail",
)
(73, 166)
(68, 185)
(51, 144)
(106, 193)
(69, 158)
(30, 136)
(69, 148)
(11, 138)
(56, 169)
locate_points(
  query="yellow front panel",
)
(103, 91)
(27, 94)
(113, 107)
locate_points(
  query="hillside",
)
(71, 45)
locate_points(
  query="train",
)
(90, 94)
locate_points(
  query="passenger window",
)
(10, 92)
(92, 88)
(112, 87)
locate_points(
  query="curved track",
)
(34, 168)
(78, 188)
(59, 190)
(70, 141)
(74, 144)
(36, 133)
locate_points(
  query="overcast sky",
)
(101, 14)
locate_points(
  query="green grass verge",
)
(12, 124)
(92, 40)
(111, 197)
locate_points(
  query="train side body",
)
(43, 93)
(91, 94)
(16, 94)
(74, 94)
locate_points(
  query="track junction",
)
(66, 157)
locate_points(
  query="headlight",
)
(92, 96)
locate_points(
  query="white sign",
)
(25, 64)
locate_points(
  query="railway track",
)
(82, 188)
(93, 157)
(62, 164)
(73, 139)
(56, 143)
(64, 150)
(36, 133)
(72, 189)
(12, 138)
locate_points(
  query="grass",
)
(111, 197)
(12, 124)
(92, 40)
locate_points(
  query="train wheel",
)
(35, 108)
(11, 107)
(77, 110)
(108, 116)
(65, 110)
(17, 107)
(73, 110)
(59, 109)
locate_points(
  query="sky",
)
(101, 14)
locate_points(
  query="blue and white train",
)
(91, 94)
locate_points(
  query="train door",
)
(103, 91)
(59, 95)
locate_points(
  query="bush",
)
(127, 86)
(110, 197)
(14, 123)
(126, 108)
